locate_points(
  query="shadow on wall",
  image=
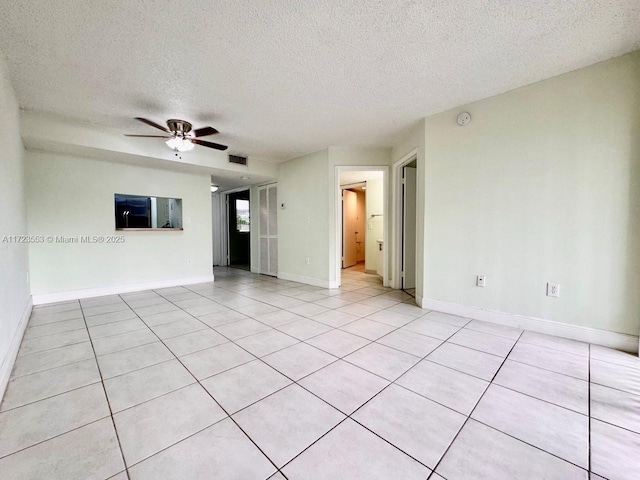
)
(633, 224)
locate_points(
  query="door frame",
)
(337, 241)
(227, 227)
(396, 260)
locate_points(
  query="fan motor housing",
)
(179, 126)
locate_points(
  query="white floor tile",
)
(384, 361)
(556, 430)
(554, 360)
(241, 386)
(287, 422)
(338, 342)
(147, 428)
(299, 360)
(344, 386)
(38, 386)
(350, 451)
(88, 452)
(448, 387)
(410, 342)
(264, 343)
(614, 452)
(221, 450)
(34, 423)
(214, 360)
(142, 385)
(420, 427)
(466, 360)
(552, 387)
(480, 452)
(616, 407)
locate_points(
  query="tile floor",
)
(258, 378)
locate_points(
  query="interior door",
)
(268, 196)
(409, 228)
(349, 228)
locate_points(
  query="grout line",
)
(471, 413)
(217, 403)
(229, 289)
(113, 422)
(56, 436)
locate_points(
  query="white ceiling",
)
(281, 78)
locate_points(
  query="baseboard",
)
(41, 298)
(619, 341)
(10, 358)
(316, 282)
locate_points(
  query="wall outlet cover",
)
(553, 289)
(481, 281)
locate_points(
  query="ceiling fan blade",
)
(204, 131)
(217, 146)
(148, 136)
(153, 124)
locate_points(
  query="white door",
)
(408, 228)
(349, 228)
(268, 229)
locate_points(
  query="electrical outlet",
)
(307, 261)
(553, 289)
(481, 281)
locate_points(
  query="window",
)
(242, 215)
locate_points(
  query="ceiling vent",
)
(237, 159)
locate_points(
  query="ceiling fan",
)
(181, 136)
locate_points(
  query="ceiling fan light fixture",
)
(180, 144)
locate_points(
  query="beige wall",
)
(307, 227)
(302, 225)
(542, 186)
(14, 261)
(73, 196)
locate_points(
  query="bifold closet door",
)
(268, 196)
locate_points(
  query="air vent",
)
(237, 159)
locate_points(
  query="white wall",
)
(73, 196)
(15, 299)
(374, 226)
(542, 185)
(302, 225)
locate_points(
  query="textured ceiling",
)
(280, 78)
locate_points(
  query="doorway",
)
(239, 229)
(408, 230)
(361, 195)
